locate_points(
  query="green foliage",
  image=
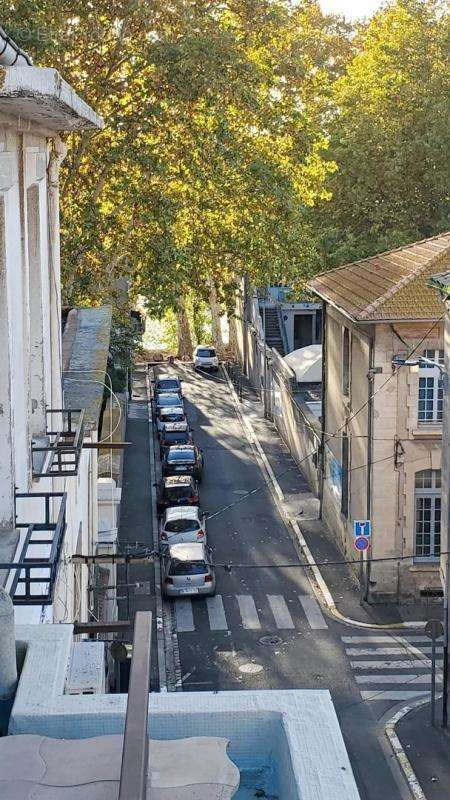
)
(389, 135)
(125, 344)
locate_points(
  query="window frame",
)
(431, 390)
(432, 494)
(345, 487)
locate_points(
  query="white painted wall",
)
(24, 159)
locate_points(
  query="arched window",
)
(430, 389)
(427, 500)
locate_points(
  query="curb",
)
(399, 752)
(319, 585)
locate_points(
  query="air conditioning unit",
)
(87, 669)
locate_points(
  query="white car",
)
(205, 358)
(182, 525)
(169, 414)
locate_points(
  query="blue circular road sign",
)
(361, 543)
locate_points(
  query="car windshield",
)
(169, 400)
(181, 526)
(181, 455)
(188, 567)
(176, 436)
(206, 352)
(167, 384)
(173, 416)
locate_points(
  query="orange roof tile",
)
(390, 285)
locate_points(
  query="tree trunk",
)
(216, 329)
(184, 333)
(233, 340)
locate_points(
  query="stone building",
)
(382, 424)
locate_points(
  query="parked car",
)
(174, 433)
(177, 490)
(165, 400)
(187, 569)
(185, 458)
(205, 358)
(182, 525)
(167, 384)
(169, 414)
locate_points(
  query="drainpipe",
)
(369, 464)
(8, 665)
(11, 55)
(321, 454)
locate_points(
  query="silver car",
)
(181, 525)
(187, 570)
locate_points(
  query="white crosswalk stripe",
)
(184, 615)
(404, 675)
(280, 611)
(221, 611)
(313, 613)
(249, 614)
(216, 613)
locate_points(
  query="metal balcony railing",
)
(35, 569)
(64, 445)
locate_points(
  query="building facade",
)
(48, 479)
(382, 424)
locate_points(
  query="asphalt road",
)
(265, 628)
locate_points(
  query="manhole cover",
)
(250, 668)
(271, 640)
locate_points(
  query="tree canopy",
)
(256, 137)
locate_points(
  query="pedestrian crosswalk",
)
(137, 410)
(392, 667)
(241, 611)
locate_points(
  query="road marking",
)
(249, 614)
(384, 639)
(414, 664)
(216, 613)
(184, 616)
(405, 679)
(312, 612)
(280, 611)
(396, 694)
(383, 651)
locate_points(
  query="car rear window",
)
(168, 383)
(206, 352)
(188, 568)
(173, 416)
(181, 455)
(181, 526)
(169, 400)
(177, 492)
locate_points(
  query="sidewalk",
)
(301, 504)
(428, 750)
(136, 514)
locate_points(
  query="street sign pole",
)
(434, 629)
(433, 680)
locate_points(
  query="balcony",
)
(58, 452)
(32, 575)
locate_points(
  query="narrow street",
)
(265, 628)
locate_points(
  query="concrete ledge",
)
(40, 93)
(296, 732)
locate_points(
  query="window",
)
(430, 389)
(345, 362)
(345, 456)
(427, 498)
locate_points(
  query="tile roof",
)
(388, 286)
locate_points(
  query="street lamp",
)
(397, 361)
